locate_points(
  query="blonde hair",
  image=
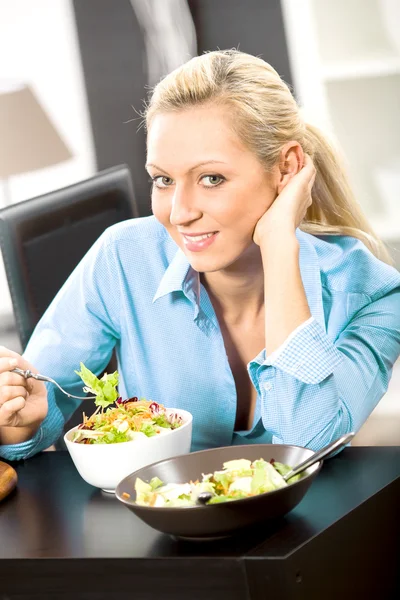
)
(265, 116)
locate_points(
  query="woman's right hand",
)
(23, 402)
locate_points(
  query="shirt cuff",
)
(276, 353)
(308, 354)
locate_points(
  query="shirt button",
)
(268, 386)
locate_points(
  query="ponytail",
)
(334, 210)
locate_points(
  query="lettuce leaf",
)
(284, 470)
(225, 498)
(155, 483)
(162, 421)
(148, 429)
(105, 389)
(112, 437)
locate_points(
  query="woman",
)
(256, 297)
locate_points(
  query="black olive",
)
(204, 497)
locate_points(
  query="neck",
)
(237, 292)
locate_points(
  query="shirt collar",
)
(180, 276)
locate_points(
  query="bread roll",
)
(8, 479)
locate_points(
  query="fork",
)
(28, 374)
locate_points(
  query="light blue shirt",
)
(136, 291)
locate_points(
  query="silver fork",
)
(28, 374)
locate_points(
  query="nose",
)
(183, 207)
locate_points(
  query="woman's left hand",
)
(290, 206)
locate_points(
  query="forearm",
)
(285, 301)
(318, 388)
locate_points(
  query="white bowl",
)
(105, 465)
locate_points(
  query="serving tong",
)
(325, 452)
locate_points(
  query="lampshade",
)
(28, 139)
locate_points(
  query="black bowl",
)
(227, 518)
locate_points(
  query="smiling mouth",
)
(196, 243)
(198, 238)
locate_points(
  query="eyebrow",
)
(201, 164)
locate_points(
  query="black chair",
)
(44, 238)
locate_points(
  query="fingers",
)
(23, 402)
(9, 378)
(9, 412)
(309, 171)
(308, 162)
(305, 177)
(9, 392)
(7, 364)
(12, 398)
(14, 389)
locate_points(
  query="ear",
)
(291, 161)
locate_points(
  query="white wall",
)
(39, 46)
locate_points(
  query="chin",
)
(210, 264)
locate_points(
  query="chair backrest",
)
(44, 238)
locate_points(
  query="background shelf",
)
(362, 68)
(346, 70)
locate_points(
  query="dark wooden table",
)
(63, 539)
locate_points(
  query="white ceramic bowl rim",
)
(187, 420)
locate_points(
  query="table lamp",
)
(28, 139)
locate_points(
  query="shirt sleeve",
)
(315, 388)
(82, 324)
(274, 356)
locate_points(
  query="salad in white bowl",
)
(122, 436)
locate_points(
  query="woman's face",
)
(206, 182)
